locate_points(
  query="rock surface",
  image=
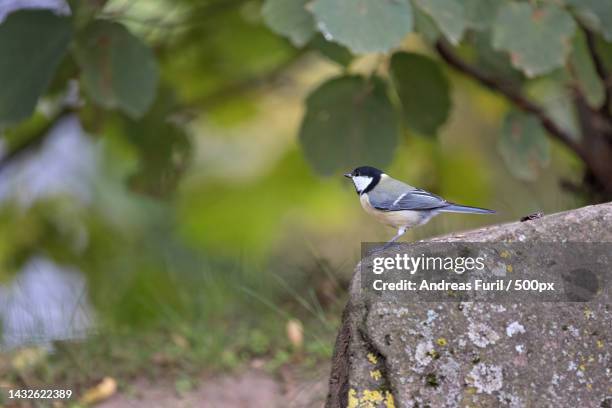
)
(480, 354)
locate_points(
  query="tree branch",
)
(242, 86)
(600, 68)
(509, 91)
(35, 140)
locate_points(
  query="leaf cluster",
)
(546, 50)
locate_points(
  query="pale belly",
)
(396, 219)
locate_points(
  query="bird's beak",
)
(348, 175)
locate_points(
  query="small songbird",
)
(398, 204)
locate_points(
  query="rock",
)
(480, 354)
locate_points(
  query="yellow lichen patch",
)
(509, 268)
(588, 313)
(389, 401)
(372, 396)
(370, 399)
(353, 401)
(470, 390)
(582, 367)
(600, 343)
(442, 341)
(505, 254)
(372, 358)
(376, 375)
(590, 387)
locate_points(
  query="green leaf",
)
(523, 145)
(604, 50)
(118, 69)
(597, 14)
(290, 19)
(161, 147)
(32, 44)
(423, 91)
(495, 62)
(537, 39)
(480, 13)
(364, 25)
(426, 26)
(584, 70)
(449, 15)
(553, 94)
(331, 50)
(349, 121)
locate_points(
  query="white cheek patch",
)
(362, 182)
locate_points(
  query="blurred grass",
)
(214, 323)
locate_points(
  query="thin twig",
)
(510, 93)
(35, 140)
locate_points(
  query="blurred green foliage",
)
(210, 53)
(537, 40)
(212, 131)
(524, 145)
(118, 70)
(32, 44)
(351, 108)
(423, 91)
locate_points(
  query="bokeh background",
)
(196, 241)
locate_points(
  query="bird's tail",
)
(456, 208)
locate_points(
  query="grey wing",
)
(410, 199)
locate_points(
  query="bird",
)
(398, 204)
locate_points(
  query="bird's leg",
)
(400, 231)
